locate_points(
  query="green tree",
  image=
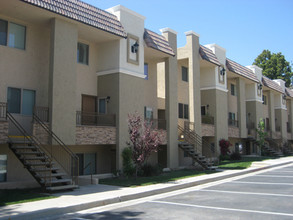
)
(261, 133)
(275, 66)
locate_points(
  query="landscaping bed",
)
(15, 196)
(161, 178)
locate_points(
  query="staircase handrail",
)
(32, 139)
(60, 143)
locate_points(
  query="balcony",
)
(95, 119)
(206, 119)
(3, 123)
(251, 131)
(233, 122)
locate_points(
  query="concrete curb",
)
(75, 208)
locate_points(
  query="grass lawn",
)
(14, 196)
(162, 178)
(241, 164)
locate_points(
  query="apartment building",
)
(71, 73)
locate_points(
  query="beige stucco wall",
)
(62, 84)
(105, 156)
(17, 175)
(266, 106)
(232, 99)
(208, 77)
(32, 69)
(86, 77)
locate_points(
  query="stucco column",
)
(221, 116)
(281, 115)
(271, 103)
(194, 79)
(290, 118)
(171, 92)
(241, 106)
(62, 79)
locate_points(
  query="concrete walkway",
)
(98, 195)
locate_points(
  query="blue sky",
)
(243, 27)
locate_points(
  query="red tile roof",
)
(208, 55)
(289, 92)
(241, 70)
(271, 84)
(157, 42)
(82, 12)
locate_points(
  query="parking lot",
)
(265, 195)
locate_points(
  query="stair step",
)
(51, 175)
(212, 167)
(31, 153)
(40, 164)
(59, 188)
(35, 158)
(23, 147)
(44, 169)
(55, 181)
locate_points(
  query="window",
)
(83, 53)
(102, 106)
(146, 71)
(3, 168)
(180, 110)
(186, 112)
(264, 100)
(203, 110)
(183, 111)
(21, 101)
(232, 116)
(15, 35)
(3, 32)
(233, 90)
(87, 163)
(184, 73)
(148, 113)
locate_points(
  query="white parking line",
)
(281, 171)
(220, 208)
(274, 176)
(265, 183)
(246, 193)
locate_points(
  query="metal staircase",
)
(192, 144)
(41, 162)
(274, 147)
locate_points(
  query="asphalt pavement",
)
(265, 195)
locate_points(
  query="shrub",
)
(149, 170)
(224, 157)
(235, 156)
(224, 146)
(128, 167)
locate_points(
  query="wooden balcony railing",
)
(232, 122)
(95, 119)
(206, 119)
(278, 128)
(3, 110)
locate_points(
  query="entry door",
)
(21, 104)
(89, 109)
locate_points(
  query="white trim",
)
(191, 33)
(120, 70)
(282, 108)
(166, 29)
(215, 45)
(254, 100)
(119, 8)
(214, 87)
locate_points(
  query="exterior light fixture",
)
(259, 86)
(284, 96)
(222, 71)
(134, 47)
(108, 99)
